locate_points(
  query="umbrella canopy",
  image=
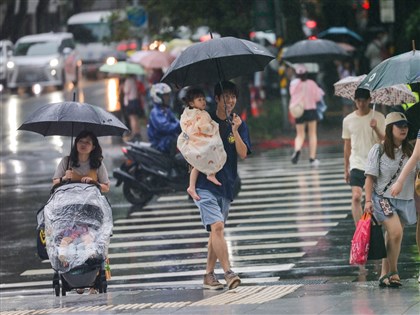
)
(347, 47)
(317, 50)
(392, 95)
(178, 43)
(123, 67)
(216, 60)
(70, 118)
(155, 59)
(340, 32)
(400, 69)
(136, 56)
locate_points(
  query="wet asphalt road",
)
(270, 183)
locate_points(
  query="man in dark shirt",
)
(215, 200)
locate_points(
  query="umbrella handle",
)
(373, 109)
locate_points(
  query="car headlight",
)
(10, 65)
(111, 60)
(54, 62)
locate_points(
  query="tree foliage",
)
(412, 27)
(229, 18)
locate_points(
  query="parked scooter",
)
(147, 172)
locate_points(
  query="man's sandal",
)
(393, 282)
(384, 281)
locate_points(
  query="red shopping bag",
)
(360, 242)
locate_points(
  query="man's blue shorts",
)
(212, 208)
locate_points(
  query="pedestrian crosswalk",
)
(282, 213)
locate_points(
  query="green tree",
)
(412, 28)
(229, 18)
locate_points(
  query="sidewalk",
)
(280, 298)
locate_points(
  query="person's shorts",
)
(357, 178)
(134, 108)
(405, 209)
(212, 208)
(308, 115)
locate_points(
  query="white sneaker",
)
(418, 279)
(314, 163)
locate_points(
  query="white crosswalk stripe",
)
(282, 211)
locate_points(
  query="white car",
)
(47, 59)
(6, 50)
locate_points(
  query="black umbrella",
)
(341, 33)
(217, 60)
(70, 118)
(316, 50)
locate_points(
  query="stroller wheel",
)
(56, 284)
(64, 286)
(57, 289)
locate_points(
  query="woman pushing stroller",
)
(78, 218)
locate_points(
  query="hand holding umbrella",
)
(217, 60)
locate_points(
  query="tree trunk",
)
(44, 22)
(7, 28)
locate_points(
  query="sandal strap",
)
(393, 273)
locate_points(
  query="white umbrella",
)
(393, 95)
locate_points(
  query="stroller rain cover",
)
(78, 226)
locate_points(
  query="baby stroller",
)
(77, 222)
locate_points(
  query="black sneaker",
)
(295, 157)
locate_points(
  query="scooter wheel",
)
(135, 195)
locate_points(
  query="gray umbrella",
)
(70, 118)
(400, 69)
(217, 60)
(316, 50)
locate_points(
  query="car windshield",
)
(36, 48)
(90, 33)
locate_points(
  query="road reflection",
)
(12, 117)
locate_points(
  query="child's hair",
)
(192, 93)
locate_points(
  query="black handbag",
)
(377, 248)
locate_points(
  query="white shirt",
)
(362, 136)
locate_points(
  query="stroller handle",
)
(92, 182)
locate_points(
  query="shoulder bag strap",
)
(396, 173)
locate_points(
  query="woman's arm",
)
(104, 187)
(411, 164)
(347, 152)
(369, 193)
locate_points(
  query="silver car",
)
(48, 59)
(6, 50)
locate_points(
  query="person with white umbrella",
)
(361, 130)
